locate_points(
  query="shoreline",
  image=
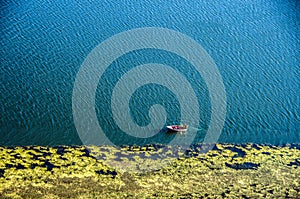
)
(228, 170)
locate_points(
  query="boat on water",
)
(178, 128)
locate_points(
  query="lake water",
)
(254, 44)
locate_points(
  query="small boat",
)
(178, 128)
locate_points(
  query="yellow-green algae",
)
(227, 171)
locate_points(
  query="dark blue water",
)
(255, 45)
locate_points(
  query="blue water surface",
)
(255, 45)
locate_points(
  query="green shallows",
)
(230, 171)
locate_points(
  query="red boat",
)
(178, 128)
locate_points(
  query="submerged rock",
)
(245, 165)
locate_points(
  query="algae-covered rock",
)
(227, 171)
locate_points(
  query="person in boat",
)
(181, 126)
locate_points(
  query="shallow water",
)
(255, 45)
